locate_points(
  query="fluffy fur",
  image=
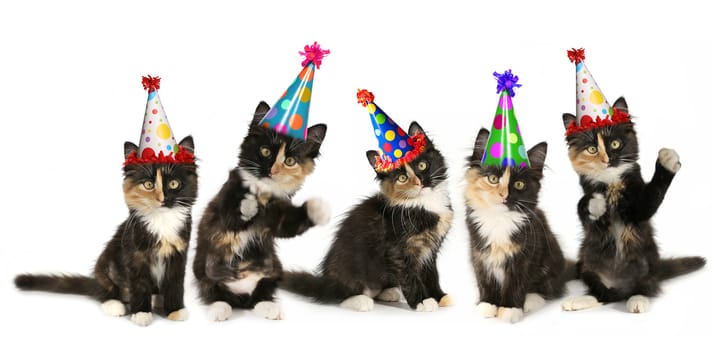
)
(618, 258)
(148, 253)
(235, 263)
(389, 240)
(516, 258)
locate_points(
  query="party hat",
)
(289, 115)
(396, 147)
(505, 145)
(157, 143)
(592, 108)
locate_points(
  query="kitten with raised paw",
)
(386, 246)
(142, 267)
(618, 258)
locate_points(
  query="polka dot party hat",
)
(592, 108)
(505, 145)
(289, 116)
(157, 144)
(396, 147)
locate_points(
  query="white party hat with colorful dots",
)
(157, 143)
(592, 108)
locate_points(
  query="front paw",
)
(669, 159)
(179, 315)
(268, 310)
(318, 211)
(510, 314)
(248, 207)
(428, 305)
(596, 206)
(142, 318)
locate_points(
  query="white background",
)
(70, 95)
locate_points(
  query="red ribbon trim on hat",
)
(618, 117)
(384, 164)
(150, 158)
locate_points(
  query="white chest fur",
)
(496, 226)
(435, 200)
(165, 223)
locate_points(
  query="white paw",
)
(113, 307)
(580, 303)
(318, 211)
(268, 310)
(510, 314)
(486, 310)
(669, 159)
(533, 302)
(142, 318)
(391, 295)
(179, 315)
(596, 206)
(428, 305)
(248, 207)
(219, 311)
(359, 303)
(637, 304)
(447, 300)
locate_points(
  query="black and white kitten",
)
(388, 243)
(517, 260)
(148, 253)
(618, 258)
(235, 263)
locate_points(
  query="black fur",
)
(381, 244)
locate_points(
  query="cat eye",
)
(422, 165)
(519, 185)
(615, 144)
(265, 151)
(592, 149)
(402, 178)
(148, 185)
(290, 161)
(173, 184)
(493, 179)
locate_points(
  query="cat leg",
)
(262, 301)
(140, 299)
(598, 294)
(430, 278)
(391, 295)
(512, 302)
(643, 205)
(219, 311)
(637, 304)
(172, 288)
(286, 220)
(360, 303)
(533, 302)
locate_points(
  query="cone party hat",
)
(505, 145)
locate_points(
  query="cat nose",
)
(274, 170)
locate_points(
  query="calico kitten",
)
(235, 263)
(388, 241)
(148, 253)
(618, 258)
(517, 260)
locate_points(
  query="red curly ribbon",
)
(364, 97)
(577, 55)
(150, 83)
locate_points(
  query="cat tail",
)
(571, 270)
(65, 284)
(321, 288)
(669, 268)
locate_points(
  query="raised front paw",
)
(248, 207)
(318, 211)
(669, 159)
(596, 206)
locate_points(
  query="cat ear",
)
(128, 148)
(372, 156)
(316, 134)
(621, 105)
(260, 111)
(568, 119)
(415, 128)
(480, 143)
(537, 154)
(188, 144)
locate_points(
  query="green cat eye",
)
(519, 185)
(592, 149)
(402, 178)
(290, 161)
(265, 151)
(422, 165)
(493, 179)
(148, 185)
(615, 144)
(173, 184)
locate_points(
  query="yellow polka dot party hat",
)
(396, 147)
(157, 144)
(592, 108)
(289, 116)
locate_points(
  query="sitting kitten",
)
(235, 263)
(148, 253)
(388, 241)
(517, 260)
(618, 258)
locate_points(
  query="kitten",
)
(517, 260)
(235, 263)
(388, 243)
(148, 253)
(618, 258)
